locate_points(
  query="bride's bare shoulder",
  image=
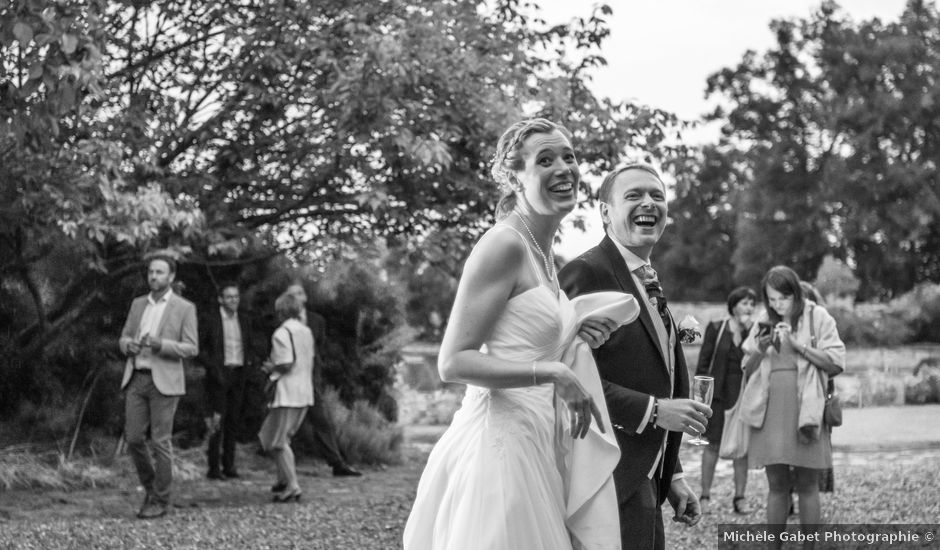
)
(499, 249)
(501, 240)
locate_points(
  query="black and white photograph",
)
(469, 274)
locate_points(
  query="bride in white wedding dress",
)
(499, 478)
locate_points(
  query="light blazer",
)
(179, 339)
(632, 367)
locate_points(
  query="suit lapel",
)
(219, 331)
(243, 327)
(170, 305)
(626, 283)
(137, 314)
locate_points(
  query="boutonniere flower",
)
(688, 330)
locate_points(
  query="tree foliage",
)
(231, 131)
(695, 254)
(840, 126)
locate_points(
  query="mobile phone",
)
(763, 329)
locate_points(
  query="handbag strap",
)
(293, 351)
(812, 327)
(830, 386)
(721, 331)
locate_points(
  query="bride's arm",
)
(490, 277)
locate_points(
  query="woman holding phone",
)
(788, 364)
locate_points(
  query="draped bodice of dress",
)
(535, 326)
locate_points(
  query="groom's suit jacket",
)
(632, 368)
(179, 340)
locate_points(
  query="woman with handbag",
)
(789, 360)
(720, 358)
(826, 477)
(290, 369)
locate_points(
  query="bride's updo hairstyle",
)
(508, 159)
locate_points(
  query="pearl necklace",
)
(549, 266)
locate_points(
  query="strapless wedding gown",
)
(493, 481)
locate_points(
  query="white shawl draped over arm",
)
(587, 464)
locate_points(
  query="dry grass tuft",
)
(23, 469)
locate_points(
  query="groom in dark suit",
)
(646, 383)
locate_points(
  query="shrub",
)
(362, 432)
(920, 310)
(363, 325)
(924, 385)
(835, 279)
(911, 317)
(870, 326)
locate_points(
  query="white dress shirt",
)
(149, 324)
(234, 355)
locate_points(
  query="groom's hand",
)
(683, 415)
(596, 331)
(684, 502)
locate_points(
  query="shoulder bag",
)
(832, 412)
(735, 435)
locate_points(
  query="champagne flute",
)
(702, 389)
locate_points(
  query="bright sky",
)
(660, 54)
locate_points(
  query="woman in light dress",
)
(788, 364)
(493, 480)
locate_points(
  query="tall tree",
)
(839, 122)
(695, 254)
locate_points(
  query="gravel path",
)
(369, 512)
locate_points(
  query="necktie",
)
(654, 290)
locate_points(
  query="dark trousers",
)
(145, 406)
(324, 434)
(641, 519)
(227, 397)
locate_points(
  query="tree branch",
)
(73, 296)
(147, 60)
(26, 275)
(187, 141)
(236, 261)
(51, 331)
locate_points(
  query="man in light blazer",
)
(642, 368)
(159, 333)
